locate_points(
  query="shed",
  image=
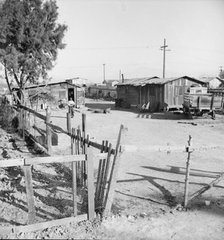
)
(61, 91)
(160, 92)
(212, 82)
(110, 83)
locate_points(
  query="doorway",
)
(71, 94)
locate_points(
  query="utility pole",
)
(163, 48)
(104, 72)
(119, 75)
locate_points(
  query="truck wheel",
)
(185, 111)
(201, 113)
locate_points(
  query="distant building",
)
(212, 82)
(110, 83)
(160, 92)
(102, 91)
(106, 90)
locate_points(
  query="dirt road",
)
(151, 179)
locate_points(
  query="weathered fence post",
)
(99, 177)
(28, 123)
(74, 181)
(78, 146)
(90, 185)
(48, 131)
(107, 167)
(24, 121)
(69, 128)
(189, 151)
(101, 188)
(114, 172)
(35, 119)
(21, 122)
(72, 141)
(84, 146)
(84, 123)
(29, 194)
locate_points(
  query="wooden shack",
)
(61, 92)
(160, 92)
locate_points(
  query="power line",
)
(111, 48)
(163, 48)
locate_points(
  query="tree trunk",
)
(7, 80)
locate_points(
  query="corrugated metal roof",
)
(137, 81)
(154, 80)
(49, 84)
(160, 80)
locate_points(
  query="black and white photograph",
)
(112, 119)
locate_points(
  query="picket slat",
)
(107, 167)
(101, 191)
(29, 194)
(99, 178)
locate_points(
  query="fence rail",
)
(61, 130)
(99, 196)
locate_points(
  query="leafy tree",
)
(29, 39)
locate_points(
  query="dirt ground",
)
(150, 183)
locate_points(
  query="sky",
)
(126, 36)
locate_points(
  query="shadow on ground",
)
(51, 191)
(169, 199)
(170, 116)
(182, 171)
(150, 115)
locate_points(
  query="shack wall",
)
(174, 91)
(138, 95)
(152, 93)
(129, 94)
(133, 95)
(160, 95)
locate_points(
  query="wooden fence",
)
(100, 196)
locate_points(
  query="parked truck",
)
(198, 101)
